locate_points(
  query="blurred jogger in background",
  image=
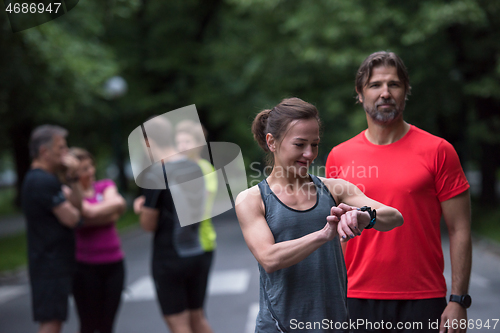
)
(51, 215)
(180, 265)
(100, 273)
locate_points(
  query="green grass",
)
(13, 250)
(128, 219)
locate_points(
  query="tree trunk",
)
(488, 172)
(486, 108)
(19, 135)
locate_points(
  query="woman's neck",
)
(283, 177)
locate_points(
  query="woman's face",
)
(186, 143)
(87, 171)
(298, 149)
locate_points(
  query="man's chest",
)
(398, 175)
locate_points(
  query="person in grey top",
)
(293, 223)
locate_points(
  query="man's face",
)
(186, 144)
(57, 151)
(383, 96)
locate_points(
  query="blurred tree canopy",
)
(233, 58)
(51, 74)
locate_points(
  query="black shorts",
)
(421, 315)
(49, 298)
(181, 283)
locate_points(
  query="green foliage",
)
(127, 220)
(66, 60)
(485, 222)
(312, 50)
(7, 195)
(233, 58)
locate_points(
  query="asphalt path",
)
(231, 305)
(232, 301)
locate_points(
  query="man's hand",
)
(71, 163)
(453, 314)
(138, 204)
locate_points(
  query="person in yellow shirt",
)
(189, 140)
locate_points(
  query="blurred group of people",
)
(74, 246)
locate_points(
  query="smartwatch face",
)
(466, 301)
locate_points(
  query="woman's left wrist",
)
(373, 216)
(366, 218)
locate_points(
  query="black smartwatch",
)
(373, 215)
(464, 300)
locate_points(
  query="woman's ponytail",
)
(259, 129)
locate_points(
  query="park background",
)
(233, 58)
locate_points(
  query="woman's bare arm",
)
(106, 211)
(351, 220)
(259, 238)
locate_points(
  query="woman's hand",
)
(350, 221)
(355, 221)
(107, 211)
(330, 230)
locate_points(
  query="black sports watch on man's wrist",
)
(464, 300)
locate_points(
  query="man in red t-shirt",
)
(397, 276)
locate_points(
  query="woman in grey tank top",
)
(293, 226)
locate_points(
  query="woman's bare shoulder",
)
(249, 198)
(333, 181)
(337, 187)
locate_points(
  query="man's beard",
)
(386, 116)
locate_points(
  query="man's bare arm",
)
(457, 215)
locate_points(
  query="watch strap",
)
(373, 216)
(463, 300)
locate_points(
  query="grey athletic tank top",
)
(310, 296)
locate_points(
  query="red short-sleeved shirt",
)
(414, 175)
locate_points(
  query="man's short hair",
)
(382, 58)
(159, 129)
(43, 136)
